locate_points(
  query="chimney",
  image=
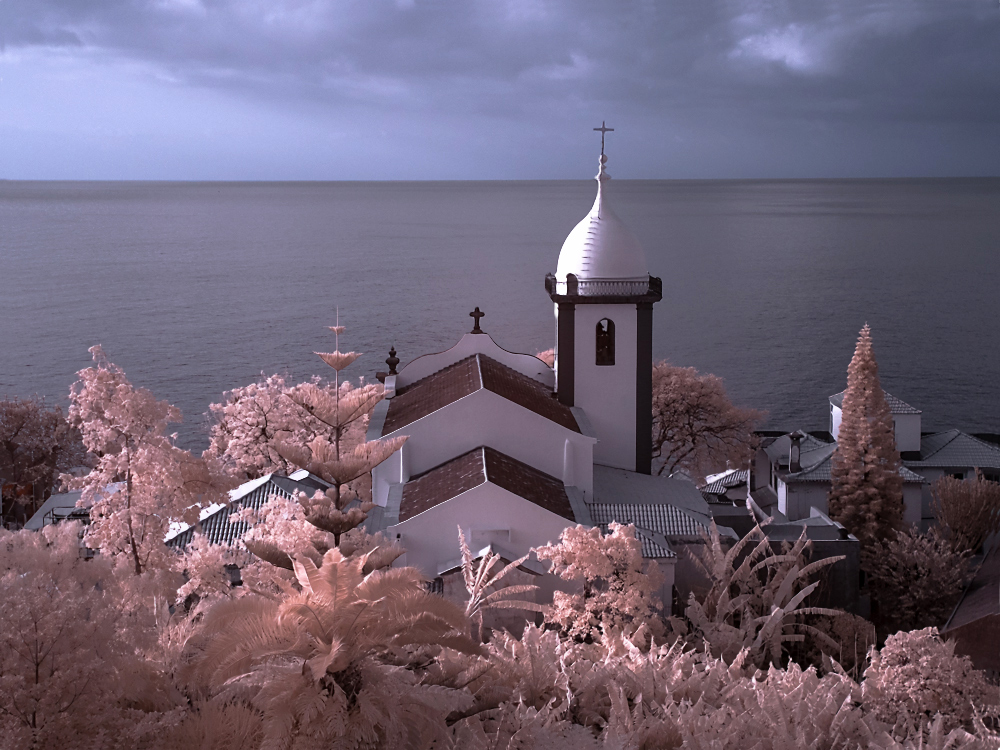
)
(794, 451)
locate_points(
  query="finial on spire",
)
(392, 361)
(477, 315)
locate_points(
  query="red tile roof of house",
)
(463, 378)
(477, 467)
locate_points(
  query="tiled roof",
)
(463, 378)
(896, 406)
(654, 546)
(777, 448)
(982, 596)
(818, 470)
(216, 525)
(476, 467)
(955, 449)
(662, 518)
(614, 486)
(722, 484)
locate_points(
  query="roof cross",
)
(477, 315)
(602, 130)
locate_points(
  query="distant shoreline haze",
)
(196, 287)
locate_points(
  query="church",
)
(513, 451)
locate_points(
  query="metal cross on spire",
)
(602, 130)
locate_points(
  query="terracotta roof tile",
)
(524, 391)
(434, 392)
(442, 483)
(527, 482)
(476, 467)
(463, 378)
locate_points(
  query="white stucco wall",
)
(802, 497)
(607, 393)
(906, 428)
(913, 504)
(468, 345)
(431, 537)
(484, 418)
(907, 431)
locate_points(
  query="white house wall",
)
(485, 418)
(906, 428)
(907, 431)
(469, 344)
(608, 393)
(802, 497)
(431, 537)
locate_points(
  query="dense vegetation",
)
(322, 643)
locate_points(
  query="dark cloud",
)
(734, 83)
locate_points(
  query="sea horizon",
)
(196, 287)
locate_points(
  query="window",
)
(991, 477)
(606, 342)
(959, 475)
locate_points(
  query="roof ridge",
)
(956, 432)
(408, 386)
(445, 463)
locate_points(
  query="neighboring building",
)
(61, 506)
(791, 471)
(214, 521)
(730, 503)
(905, 422)
(975, 623)
(791, 475)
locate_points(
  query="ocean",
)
(196, 288)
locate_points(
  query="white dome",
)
(601, 246)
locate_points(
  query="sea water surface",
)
(195, 288)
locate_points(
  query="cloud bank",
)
(410, 89)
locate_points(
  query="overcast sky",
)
(497, 89)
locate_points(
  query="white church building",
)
(513, 451)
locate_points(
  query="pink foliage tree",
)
(915, 579)
(695, 426)
(36, 444)
(968, 510)
(618, 587)
(250, 420)
(60, 644)
(141, 481)
(917, 677)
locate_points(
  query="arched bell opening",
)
(606, 342)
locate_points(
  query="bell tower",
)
(604, 297)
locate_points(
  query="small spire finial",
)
(392, 361)
(477, 314)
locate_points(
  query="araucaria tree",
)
(866, 493)
(695, 426)
(340, 455)
(141, 481)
